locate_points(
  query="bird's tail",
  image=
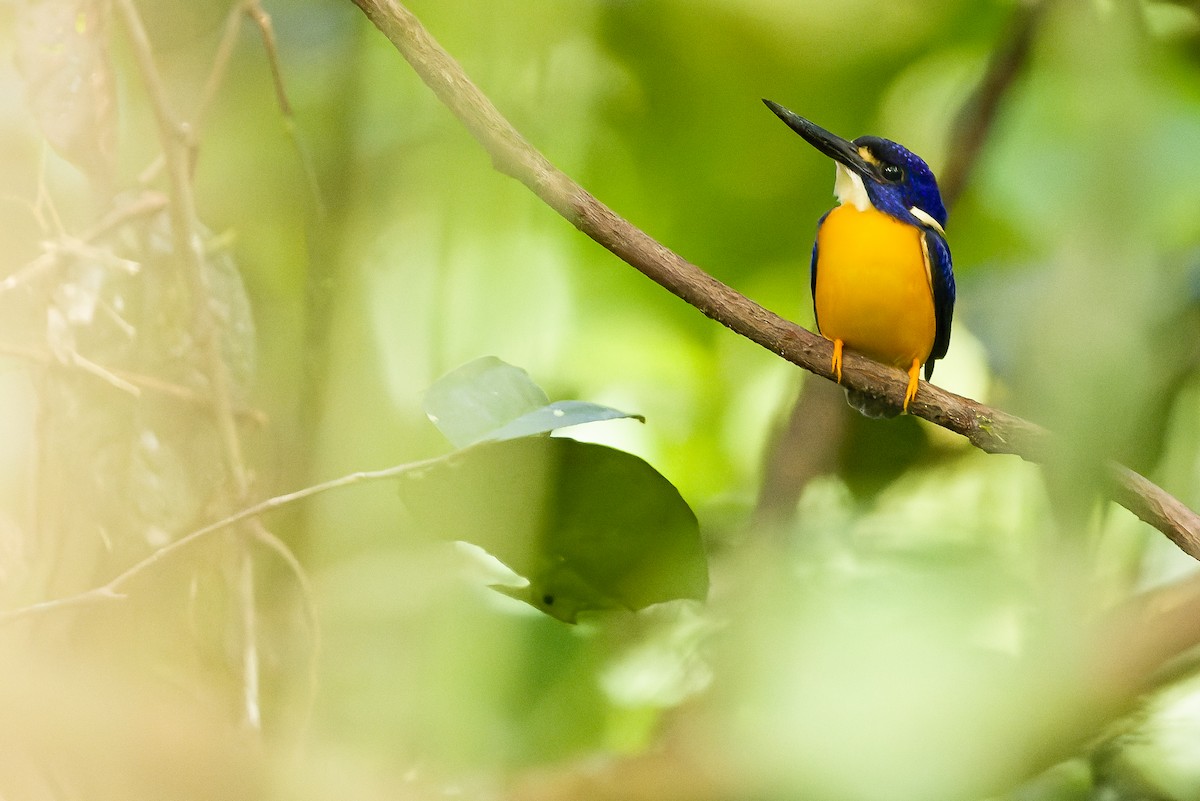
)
(871, 406)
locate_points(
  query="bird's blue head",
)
(877, 171)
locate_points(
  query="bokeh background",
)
(893, 614)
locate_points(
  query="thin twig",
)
(114, 588)
(251, 680)
(262, 20)
(253, 10)
(146, 204)
(137, 380)
(265, 537)
(988, 429)
(220, 63)
(104, 374)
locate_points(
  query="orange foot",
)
(913, 373)
(837, 359)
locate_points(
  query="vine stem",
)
(178, 144)
(113, 589)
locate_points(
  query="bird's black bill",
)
(837, 148)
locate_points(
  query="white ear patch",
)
(928, 263)
(924, 217)
(848, 186)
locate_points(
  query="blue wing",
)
(942, 275)
(813, 272)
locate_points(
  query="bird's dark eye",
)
(891, 172)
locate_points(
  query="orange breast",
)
(873, 287)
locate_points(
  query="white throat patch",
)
(848, 186)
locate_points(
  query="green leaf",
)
(559, 414)
(488, 399)
(483, 395)
(590, 527)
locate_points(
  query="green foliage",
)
(589, 528)
(487, 399)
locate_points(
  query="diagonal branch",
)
(986, 428)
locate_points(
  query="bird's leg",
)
(914, 373)
(836, 366)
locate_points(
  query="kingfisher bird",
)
(882, 281)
